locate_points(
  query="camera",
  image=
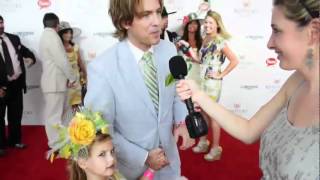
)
(184, 48)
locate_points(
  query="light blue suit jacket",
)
(117, 89)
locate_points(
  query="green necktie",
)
(150, 77)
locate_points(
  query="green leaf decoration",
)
(99, 121)
(65, 152)
(75, 149)
(169, 80)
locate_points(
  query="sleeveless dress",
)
(74, 94)
(288, 152)
(193, 67)
(212, 59)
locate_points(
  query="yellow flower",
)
(80, 116)
(81, 130)
(105, 130)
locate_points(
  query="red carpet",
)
(238, 161)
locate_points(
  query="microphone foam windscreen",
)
(178, 67)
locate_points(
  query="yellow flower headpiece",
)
(74, 140)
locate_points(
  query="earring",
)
(309, 60)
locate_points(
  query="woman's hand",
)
(186, 89)
(183, 43)
(214, 75)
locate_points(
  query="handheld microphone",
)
(196, 125)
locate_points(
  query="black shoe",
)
(2, 152)
(18, 145)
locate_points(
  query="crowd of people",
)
(116, 133)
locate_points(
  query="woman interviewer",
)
(288, 125)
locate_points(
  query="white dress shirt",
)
(14, 58)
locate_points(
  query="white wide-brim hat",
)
(63, 25)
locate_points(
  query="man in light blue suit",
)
(146, 120)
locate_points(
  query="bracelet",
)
(149, 173)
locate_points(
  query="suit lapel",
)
(16, 45)
(161, 67)
(132, 75)
(13, 42)
(2, 64)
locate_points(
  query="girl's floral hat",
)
(74, 140)
(190, 17)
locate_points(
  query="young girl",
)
(99, 165)
(87, 144)
(190, 44)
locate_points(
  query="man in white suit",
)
(145, 128)
(56, 77)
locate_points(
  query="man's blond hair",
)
(122, 12)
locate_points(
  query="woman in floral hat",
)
(190, 44)
(67, 33)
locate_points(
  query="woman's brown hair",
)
(300, 11)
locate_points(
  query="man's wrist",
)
(179, 124)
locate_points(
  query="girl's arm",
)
(82, 66)
(232, 59)
(193, 54)
(243, 129)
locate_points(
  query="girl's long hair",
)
(197, 34)
(221, 29)
(65, 31)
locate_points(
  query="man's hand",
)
(157, 159)
(29, 62)
(181, 130)
(214, 75)
(2, 92)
